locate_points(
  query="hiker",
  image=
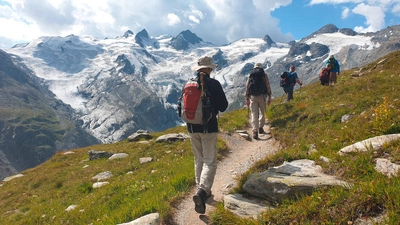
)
(335, 69)
(293, 79)
(203, 135)
(325, 74)
(257, 89)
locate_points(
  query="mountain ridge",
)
(118, 86)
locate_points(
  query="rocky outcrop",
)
(290, 180)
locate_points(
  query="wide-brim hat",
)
(204, 62)
(258, 65)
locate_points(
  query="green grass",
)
(314, 117)
(43, 194)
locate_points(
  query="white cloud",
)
(374, 15)
(173, 19)
(217, 21)
(345, 13)
(374, 11)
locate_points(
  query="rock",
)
(291, 179)
(99, 154)
(103, 176)
(386, 167)
(324, 159)
(118, 156)
(68, 153)
(71, 207)
(100, 184)
(145, 160)
(172, 137)
(150, 219)
(244, 207)
(139, 135)
(374, 143)
(345, 118)
(12, 177)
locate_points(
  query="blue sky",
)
(216, 21)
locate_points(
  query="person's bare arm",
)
(246, 94)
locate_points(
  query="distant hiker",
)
(335, 69)
(324, 75)
(257, 89)
(203, 99)
(292, 80)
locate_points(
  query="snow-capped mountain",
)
(120, 85)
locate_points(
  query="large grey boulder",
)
(290, 180)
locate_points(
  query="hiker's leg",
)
(334, 77)
(254, 104)
(197, 149)
(263, 104)
(209, 142)
(290, 93)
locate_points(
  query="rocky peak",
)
(269, 41)
(348, 31)
(125, 65)
(142, 34)
(140, 37)
(127, 33)
(182, 41)
(219, 59)
(327, 29)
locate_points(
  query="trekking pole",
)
(282, 97)
(300, 91)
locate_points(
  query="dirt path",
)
(242, 155)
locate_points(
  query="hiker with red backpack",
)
(325, 74)
(335, 69)
(201, 100)
(257, 90)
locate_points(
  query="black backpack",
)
(257, 82)
(286, 80)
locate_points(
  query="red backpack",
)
(324, 76)
(194, 103)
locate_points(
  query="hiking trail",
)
(243, 153)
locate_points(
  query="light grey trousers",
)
(257, 106)
(204, 146)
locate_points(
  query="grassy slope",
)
(314, 117)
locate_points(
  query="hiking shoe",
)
(199, 200)
(261, 130)
(255, 135)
